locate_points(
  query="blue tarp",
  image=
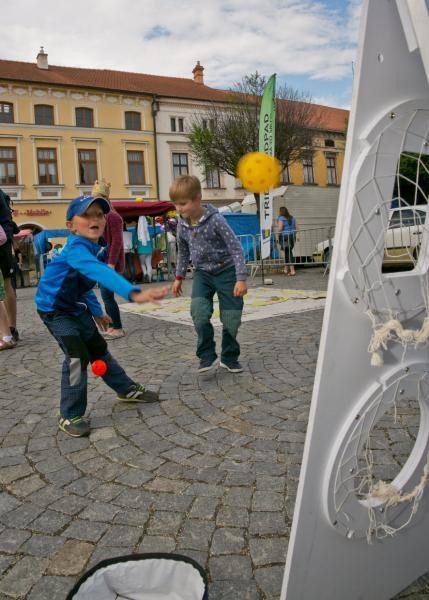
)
(246, 226)
(243, 223)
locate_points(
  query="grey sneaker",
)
(232, 367)
(206, 365)
(76, 427)
(137, 393)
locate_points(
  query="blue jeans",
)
(204, 287)
(111, 306)
(81, 343)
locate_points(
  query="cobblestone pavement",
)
(210, 472)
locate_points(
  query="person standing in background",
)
(129, 254)
(17, 266)
(6, 340)
(7, 261)
(286, 226)
(142, 243)
(115, 259)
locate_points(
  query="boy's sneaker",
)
(206, 365)
(76, 427)
(137, 393)
(232, 367)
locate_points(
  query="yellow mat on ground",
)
(259, 303)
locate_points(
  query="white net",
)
(388, 266)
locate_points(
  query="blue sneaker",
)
(206, 365)
(232, 367)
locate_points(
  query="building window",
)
(8, 170)
(44, 114)
(177, 124)
(285, 177)
(180, 164)
(329, 144)
(84, 117)
(212, 178)
(133, 120)
(47, 166)
(135, 167)
(6, 112)
(307, 164)
(87, 166)
(331, 169)
(208, 124)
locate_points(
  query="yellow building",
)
(324, 167)
(63, 127)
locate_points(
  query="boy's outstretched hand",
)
(153, 295)
(240, 288)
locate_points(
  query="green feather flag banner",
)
(267, 136)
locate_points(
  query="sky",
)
(311, 45)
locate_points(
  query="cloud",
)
(230, 39)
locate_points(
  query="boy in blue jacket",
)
(70, 310)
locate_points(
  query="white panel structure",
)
(354, 536)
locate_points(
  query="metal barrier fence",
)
(307, 247)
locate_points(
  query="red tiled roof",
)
(103, 79)
(140, 83)
(330, 117)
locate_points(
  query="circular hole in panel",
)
(388, 445)
(385, 439)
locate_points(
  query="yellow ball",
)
(139, 199)
(258, 172)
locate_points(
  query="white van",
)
(402, 240)
(404, 235)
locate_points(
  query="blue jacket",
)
(211, 245)
(66, 284)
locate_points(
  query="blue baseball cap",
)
(80, 205)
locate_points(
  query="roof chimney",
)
(198, 73)
(42, 59)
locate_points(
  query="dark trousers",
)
(287, 243)
(129, 266)
(111, 306)
(81, 343)
(204, 287)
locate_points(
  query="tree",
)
(224, 132)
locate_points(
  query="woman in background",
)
(286, 226)
(142, 244)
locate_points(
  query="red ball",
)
(98, 367)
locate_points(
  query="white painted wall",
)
(169, 142)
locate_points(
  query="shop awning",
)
(132, 209)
